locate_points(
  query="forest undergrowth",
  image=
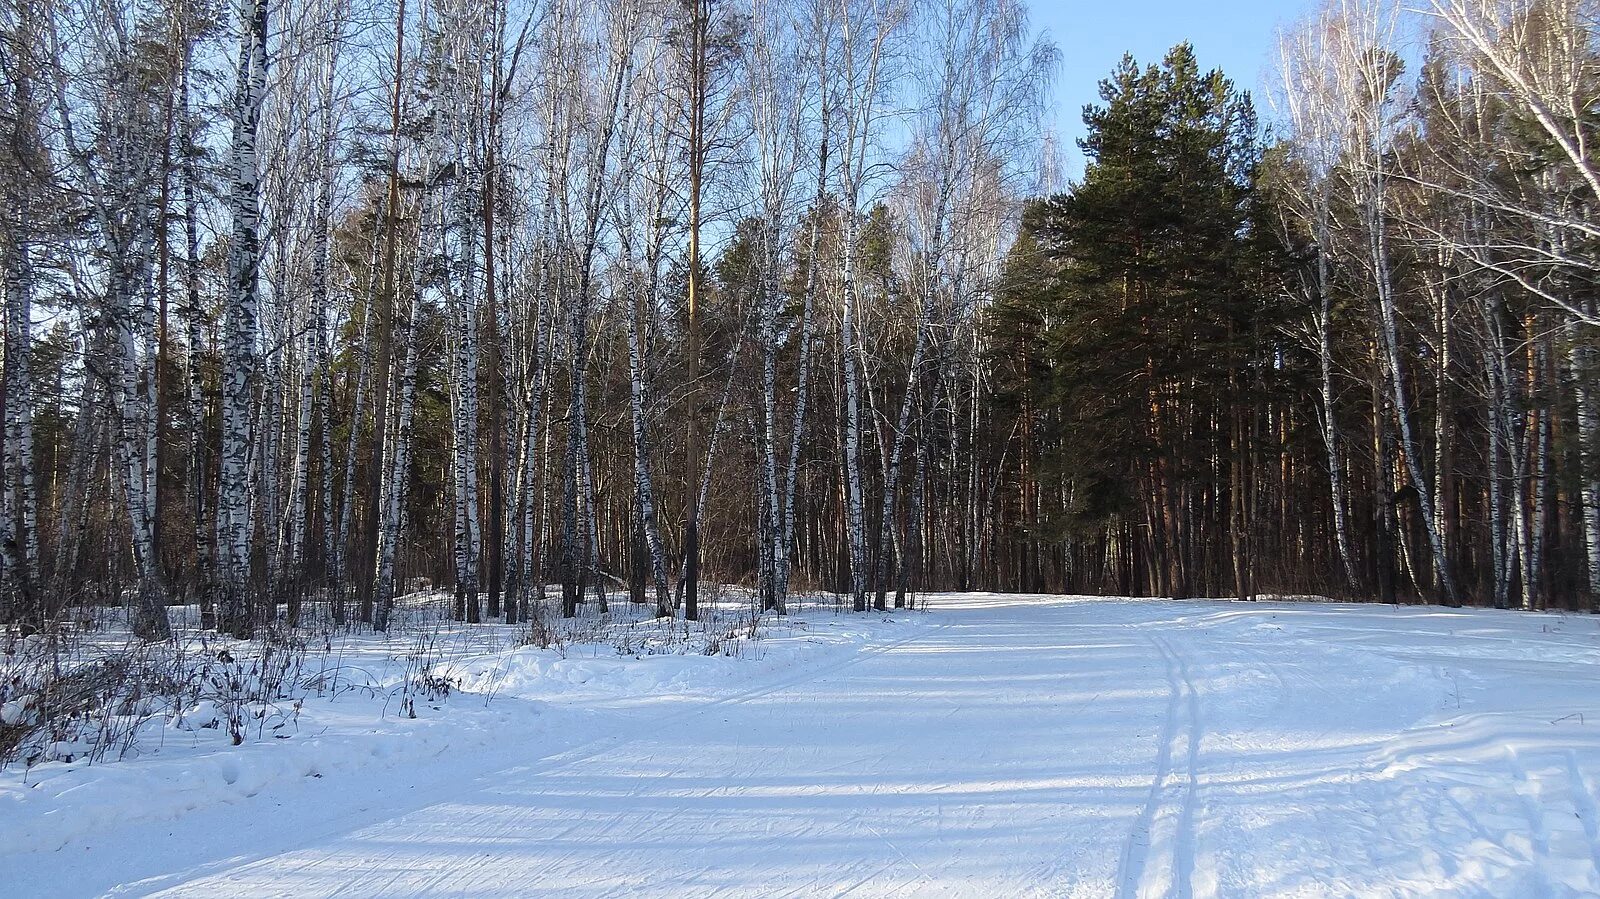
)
(86, 689)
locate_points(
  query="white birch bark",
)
(397, 462)
(640, 328)
(240, 357)
(23, 160)
(19, 541)
(1370, 72)
(1500, 552)
(644, 485)
(397, 473)
(1312, 101)
(315, 375)
(1329, 399)
(778, 95)
(198, 462)
(339, 560)
(534, 433)
(119, 194)
(802, 392)
(580, 550)
(1580, 362)
(461, 50)
(394, 491)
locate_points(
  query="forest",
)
(310, 304)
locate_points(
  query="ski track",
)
(1012, 746)
(557, 762)
(1165, 825)
(1131, 872)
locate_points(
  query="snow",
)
(996, 746)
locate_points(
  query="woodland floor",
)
(996, 746)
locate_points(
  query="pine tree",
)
(1150, 322)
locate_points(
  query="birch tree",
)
(867, 35)
(22, 163)
(114, 157)
(1537, 60)
(1370, 70)
(977, 116)
(1313, 109)
(234, 526)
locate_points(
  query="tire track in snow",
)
(1158, 853)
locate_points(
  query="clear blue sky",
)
(1236, 35)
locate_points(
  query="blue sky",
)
(1237, 35)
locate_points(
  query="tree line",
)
(309, 301)
(1352, 353)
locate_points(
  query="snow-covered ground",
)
(997, 746)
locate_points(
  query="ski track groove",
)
(1588, 812)
(1184, 842)
(921, 874)
(1470, 818)
(1491, 805)
(1539, 835)
(552, 764)
(1137, 877)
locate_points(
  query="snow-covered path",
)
(1018, 746)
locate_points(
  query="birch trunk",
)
(20, 596)
(520, 579)
(1377, 247)
(644, 488)
(468, 536)
(19, 542)
(149, 613)
(396, 478)
(338, 563)
(1497, 527)
(397, 464)
(199, 448)
(802, 393)
(240, 323)
(1580, 362)
(1329, 397)
(773, 550)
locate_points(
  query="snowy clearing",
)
(999, 746)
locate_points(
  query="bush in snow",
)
(70, 693)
